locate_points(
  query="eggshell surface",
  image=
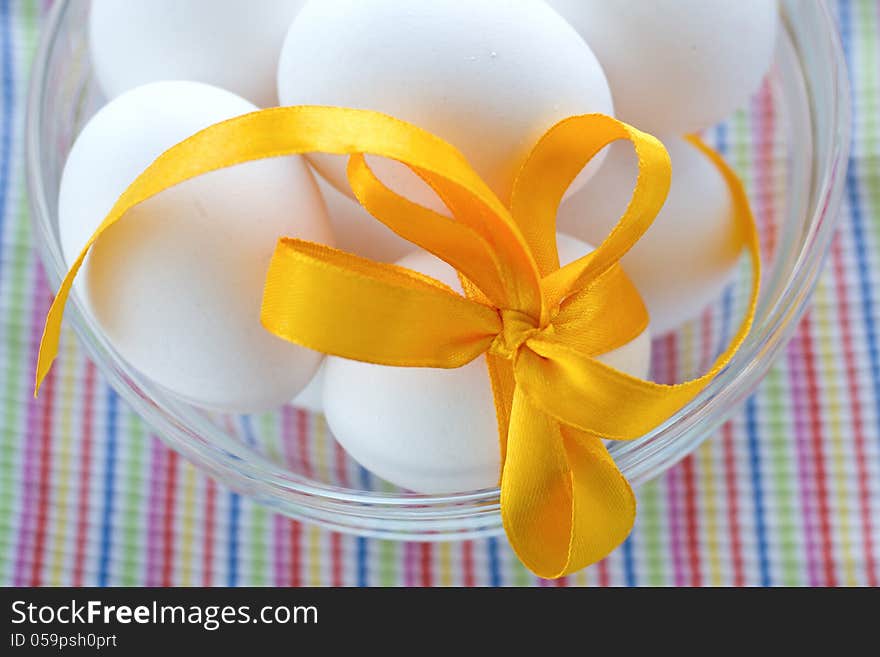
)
(176, 285)
(488, 76)
(357, 231)
(312, 396)
(433, 430)
(678, 66)
(690, 252)
(233, 44)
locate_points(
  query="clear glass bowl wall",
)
(790, 147)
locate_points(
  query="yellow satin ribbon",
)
(564, 502)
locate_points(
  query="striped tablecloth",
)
(787, 494)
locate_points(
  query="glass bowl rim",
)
(470, 513)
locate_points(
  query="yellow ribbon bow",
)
(564, 503)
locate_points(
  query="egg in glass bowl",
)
(790, 147)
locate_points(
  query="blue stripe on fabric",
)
(722, 140)
(494, 563)
(232, 549)
(629, 567)
(235, 511)
(109, 476)
(362, 569)
(858, 225)
(362, 580)
(7, 113)
(247, 426)
(366, 482)
(365, 477)
(757, 489)
(722, 146)
(726, 316)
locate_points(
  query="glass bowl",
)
(790, 147)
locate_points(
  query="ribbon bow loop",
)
(540, 326)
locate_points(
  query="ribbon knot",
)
(564, 503)
(516, 329)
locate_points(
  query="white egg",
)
(232, 44)
(690, 252)
(433, 430)
(678, 66)
(176, 285)
(357, 231)
(312, 396)
(488, 76)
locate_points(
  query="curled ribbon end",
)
(43, 369)
(51, 335)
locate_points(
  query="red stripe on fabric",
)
(692, 521)
(859, 438)
(730, 481)
(336, 558)
(208, 545)
(82, 512)
(814, 408)
(427, 563)
(341, 464)
(153, 548)
(804, 468)
(168, 519)
(707, 349)
(670, 362)
(562, 582)
(295, 429)
(604, 574)
(295, 554)
(47, 399)
(467, 563)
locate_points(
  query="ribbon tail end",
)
(49, 341)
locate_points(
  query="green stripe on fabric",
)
(61, 464)
(259, 561)
(519, 575)
(651, 534)
(17, 280)
(388, 563)
(778, 430)
(838, 458)
(133, 505)
(15, 368)
(865, 47)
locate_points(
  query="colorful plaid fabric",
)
(787, 494)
